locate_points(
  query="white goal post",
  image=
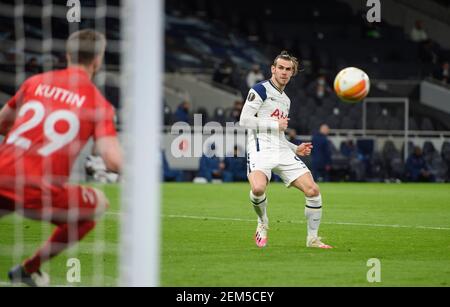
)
(142, 55)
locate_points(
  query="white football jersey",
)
(265, 104)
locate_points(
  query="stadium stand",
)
(212, 48)
(324, 36)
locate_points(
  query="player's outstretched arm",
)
(7, 118)
(111, 152)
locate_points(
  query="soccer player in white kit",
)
(265, 115)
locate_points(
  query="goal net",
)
(123, 247)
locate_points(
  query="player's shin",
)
(58, 242)
(260, 207)
(313, 213)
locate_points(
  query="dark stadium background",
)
(216, 44)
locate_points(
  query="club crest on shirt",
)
(251, 97)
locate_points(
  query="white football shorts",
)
(285, 164)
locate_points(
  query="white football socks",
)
(260, 206)
(313, 213)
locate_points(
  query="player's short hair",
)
(85, 45)
(284, 55)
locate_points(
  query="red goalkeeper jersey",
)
(57, 113)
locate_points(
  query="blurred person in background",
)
(168, 173)
(236, 165)
(321, 154)
(291, 135)
(416, 167)
(212, 167)
(348, 149)
(319, 88)
(254, 76)
(182, 113)
(418, 33)
(443, 73)
(235, 113)
(428, 52)
(224, 73)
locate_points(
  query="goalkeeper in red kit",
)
(46, 125)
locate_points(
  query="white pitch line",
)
(208, 218)
(391, 226)
(302, 222)
(194, 217)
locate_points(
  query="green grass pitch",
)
(207, 238)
